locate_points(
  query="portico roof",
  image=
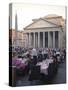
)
(50, 20)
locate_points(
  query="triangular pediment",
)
(41, 23)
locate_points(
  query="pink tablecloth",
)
(19, 63)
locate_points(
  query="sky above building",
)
(27, 12)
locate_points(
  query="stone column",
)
(49, 40)
(34, 39)
(59, 39)
(29, 40)
(26, 40)
(53, 39)
(43, 39)
(38, 39)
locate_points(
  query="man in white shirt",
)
(34, 52)
(34, 55)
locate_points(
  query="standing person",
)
(34, 54)
(45, 54)
(54, 55)
(40, 56)
(62, 56)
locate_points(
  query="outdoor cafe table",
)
(44, 66)
(20, 63)
(48, 61)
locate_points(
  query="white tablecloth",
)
(49, 61)
(44, 65)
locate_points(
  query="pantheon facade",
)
(48, 31)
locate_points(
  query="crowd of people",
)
(40, 54)
(26, 58)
